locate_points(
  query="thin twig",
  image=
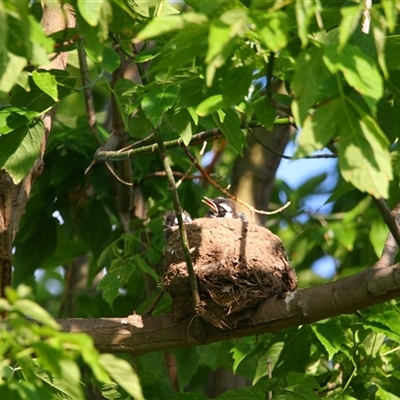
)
(154, 303)
(114, 174)
(160, 174)
(137, 143)
(87, 92)
(182, 230)
(388, 217)
(231, 196)
(315, 156)
(269, 368)
(203, 148)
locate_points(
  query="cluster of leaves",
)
(38, 361)
(201, 67)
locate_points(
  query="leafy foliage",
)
(45, 360)
(196, 66)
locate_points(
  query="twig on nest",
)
(182, 231)
(231, 196)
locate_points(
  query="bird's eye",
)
(225, 208)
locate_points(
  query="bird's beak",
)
(209, 203)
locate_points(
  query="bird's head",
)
(220, 207)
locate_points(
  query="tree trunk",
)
(13, 198)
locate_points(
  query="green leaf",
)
(20, 149)
(210, 105)
(183, 123)
(110, 286)
(122, 372)
(364, 158)
(159, 100)
(351, 15)
(188, 364)
(331, 337)
(91, 10)
(320, 127)
(38, 100)
(94, 226)
(272, 355)
(359, 70)
(387, 322)
(377, 235)
(230, 126)
(272, 29)
(12, 118)
(162, 25)
(345, 235)
(124, 98)
(295, 378)
(392, 52)
(389, 7)
(145, 267)
(47, 83)
(152, 8)
(109, 60)
(236, 83)
(382, 394)
(309, 73)
(67, 384)
(222, 40)
(33, 310)
(264, 112)
(11, 67)
(305, 11)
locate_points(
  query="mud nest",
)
(238, 265)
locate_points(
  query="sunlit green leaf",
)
(309, 74)
(122, 372)
(210, 105)
(33, 310)
(351, 15)
(162, 25)
(21, 149)
(12, 118)
(230, 126)
(359, 71)
(157, 101)
(91, 11)
(271, 29)
(222, 40)
(46, 82)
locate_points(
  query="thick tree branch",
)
(143, 334)
(199, 138)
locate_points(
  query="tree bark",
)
(140, 334)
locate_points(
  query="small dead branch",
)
(231, 196)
